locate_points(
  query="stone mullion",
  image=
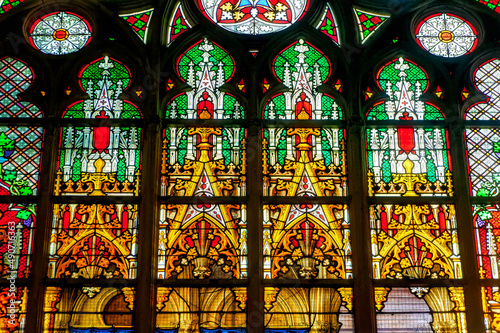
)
(472, 289)
(145, 305)
(40, 252)
(364, 297)
(255, 289)
(145, 302)
(255, 302)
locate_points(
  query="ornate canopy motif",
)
(205, 67)
(302, 69)
(103, 159)
(406, 160)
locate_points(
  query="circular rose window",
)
(60, 33)
(254, 17)
(446, 35)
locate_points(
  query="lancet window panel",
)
(483, 143)
(307, 241)
(210, 309)
(420, 309)
(486, 79)
(205, 67)
(406, 160)
(17, 229)
(415, 242)
(306, 162)
(308, 310)
(204, 161)
(89, 308)
(13, 314)
(94, 241)
(103, 159)
(202, 241)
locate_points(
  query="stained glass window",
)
(202, 241)
(98, 308)
(328, 25)
(406, 160)
(415, 242)
(482, 142)
(20, 157)
(287, 185)
(13, 313)
(408, 157)
(308, 309)
(492, 4)
(7, 5)
(368, 22)
(201, 309)
(94, 241)
(60, 33)
(205, 67)
(178, 24)
(491, 308)
(139, 22)
(307, 241)
(105, 159)
(99, 155)
(420, 309)
(254, 17)
(446, 35)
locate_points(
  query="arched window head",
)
(205, 67)
(254, 17)
(302, 68)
